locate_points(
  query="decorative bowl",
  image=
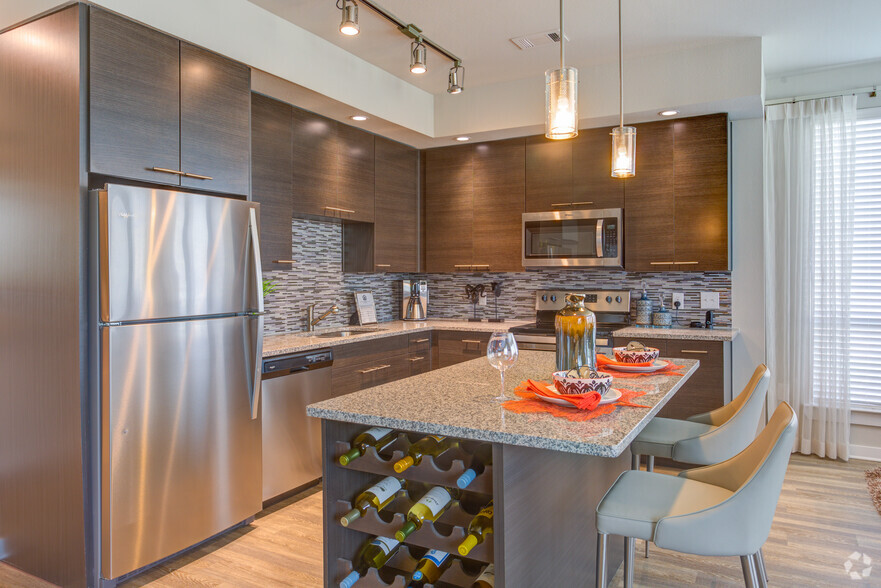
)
(567, 385)
(636, 355)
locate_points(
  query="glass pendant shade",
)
(349, 25)
(623, 152)
(561, 103)
(417, 58)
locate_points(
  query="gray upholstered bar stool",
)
(722, 510)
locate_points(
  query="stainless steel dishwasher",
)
(292, 440)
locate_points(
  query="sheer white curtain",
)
(809, 204)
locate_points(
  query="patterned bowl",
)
(644, 355)
(567, 385)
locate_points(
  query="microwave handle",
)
(600, 237)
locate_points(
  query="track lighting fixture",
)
(456, 82)
(417, 57)
(349, 25)
(561, 96)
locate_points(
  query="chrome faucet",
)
(311, 321)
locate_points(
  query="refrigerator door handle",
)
(256, 361)
(258, 268)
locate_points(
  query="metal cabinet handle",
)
(165, 170)
(463, 265)
(471, 341)
(374, 369)
(291, 261)
(693, 351)
(662, 262)
(486, 265)
(197, 176)
(383, 265)
(582, 203)
(686, 262)
(416, 358)
(559, 204)
(421, 340)
(346, 210)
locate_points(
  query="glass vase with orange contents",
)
(576, 335)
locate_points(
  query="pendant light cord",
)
(562, 37)
(620, 68)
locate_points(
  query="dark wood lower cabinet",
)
(351, 378)
(457, 346)
(370, 363)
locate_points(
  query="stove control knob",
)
(544, 297)
(618, 299)
(553, 298)
(609, 299)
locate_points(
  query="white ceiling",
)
(798, 34)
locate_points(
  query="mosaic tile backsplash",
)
(317, 276)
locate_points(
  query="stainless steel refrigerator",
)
(180, 343)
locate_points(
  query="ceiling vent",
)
(537, 39)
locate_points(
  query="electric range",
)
(611, 307)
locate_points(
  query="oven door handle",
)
(600, 237)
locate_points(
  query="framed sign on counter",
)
(366, 308)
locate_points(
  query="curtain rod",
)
(870, 90)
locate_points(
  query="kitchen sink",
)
(346, 333)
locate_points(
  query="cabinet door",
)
(592, 183)
(272, 180)
(316, 163)
(701, 171)
(457, 346)
(396, 226)
(215, 122)
(705, 390)
(134, 100)
(499, 191)
(366, 375)
(449, 174)
(650, 202)
(548, 174)
(355, 188)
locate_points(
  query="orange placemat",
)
(530, 404)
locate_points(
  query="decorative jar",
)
(576, 335)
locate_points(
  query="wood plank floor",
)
(824, 515)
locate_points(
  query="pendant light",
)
(417, 57)
(623, 138)
(349, 25)
(561, 96)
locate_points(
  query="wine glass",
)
(502, 353)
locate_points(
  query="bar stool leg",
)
(647, 548)
(602, 540)
(629, 544)
(749, 571)
(761, 572)
(634, 462)
(650, 463)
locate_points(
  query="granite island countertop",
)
(303, 341)
(684, 334)
(459, 401)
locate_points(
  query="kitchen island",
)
(546, 478)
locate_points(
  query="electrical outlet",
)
(710, 300)
(482, 300)
(678, 300)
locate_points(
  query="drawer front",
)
(420, 342)
(351, 378)
(372, 351)
(705, 390)
(419, 362)
(458, 346)
(659, 344)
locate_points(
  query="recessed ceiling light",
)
(358, 117)
(669, 112)
(463, 138)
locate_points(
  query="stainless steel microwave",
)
(574, 238)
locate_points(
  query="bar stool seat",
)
(660, 436)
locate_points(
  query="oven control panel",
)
(595, 300)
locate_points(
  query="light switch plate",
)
(680, 298)
(710, 300)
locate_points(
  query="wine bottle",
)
(377, 496)
(432, 445)
(429, 508)
(483, 456)
(374, 554)
(376, 437)
(430, 568)
(487, 578)
(479, 527)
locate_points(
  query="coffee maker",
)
(414, 306)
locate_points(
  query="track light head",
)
(417, 57)
(456, 82)
(349, 25)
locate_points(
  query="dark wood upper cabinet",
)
(449, 206)
(592, 183)
(396, 223)
(548, 174)
(166, 112)
(215, 130)
(498, 203)
(650, 202)
(134, 100)
(355, 191)
(315, 162)
(700, 159)
(272, 177)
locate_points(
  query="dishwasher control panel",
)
(294, 362)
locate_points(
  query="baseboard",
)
(866, 452)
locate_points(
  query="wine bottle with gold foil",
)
(377, 496)
(376, 437)
(486, 579)
(373, 554)
(430, 567)
(478, 529)
(433, 445)
(575, 326)
(431, 506)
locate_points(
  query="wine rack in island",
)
(406, 510)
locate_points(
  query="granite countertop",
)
(678, 333)
(302, 341)
(459, 401)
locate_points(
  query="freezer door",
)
(180, 453)
(167, 254)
